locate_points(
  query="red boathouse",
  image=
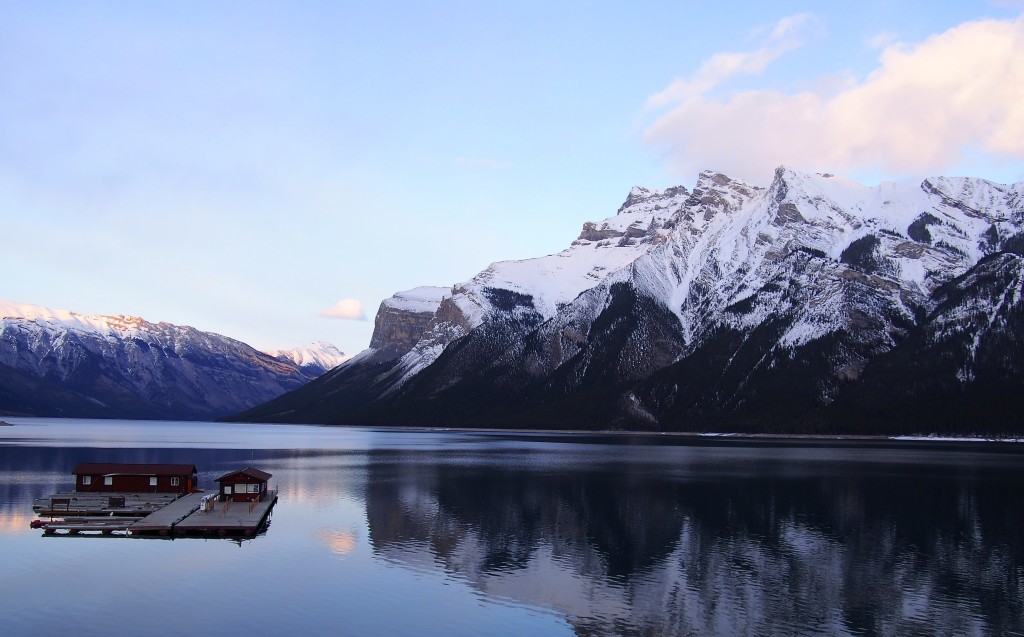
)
(244, 485)
(135, 478)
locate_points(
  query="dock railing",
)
(262, 496)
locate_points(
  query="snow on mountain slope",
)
(58, 320)
(997, 293)
(418, 300)
(701, 252)
(125, 366)
(554, 280)
(727, 301)
(317, 357)
(536, 289)
(709, 265)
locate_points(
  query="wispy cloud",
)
(920, 108)
(347, 309)
(880, 40)
(786, 35)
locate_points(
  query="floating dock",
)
(228, 518)
(143, 515)
(163, 521)
(157, 500)
(79, 504)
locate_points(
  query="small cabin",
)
(244, 485)
(135, 478)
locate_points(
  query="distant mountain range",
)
(60, 363)
(813, 305)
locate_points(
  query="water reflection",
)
(471, 533)
(804, 547)
(338, 541)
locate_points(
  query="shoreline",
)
(676, 434)
(682, 435)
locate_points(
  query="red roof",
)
(109, 468)
(248, 471)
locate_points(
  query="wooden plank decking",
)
(74, 503)
(229, 518)
(163, 520)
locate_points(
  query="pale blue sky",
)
(242, 166)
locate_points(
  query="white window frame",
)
(108, 481)
(175, 481)
(152, 481)
(227, 489)
(86, 480)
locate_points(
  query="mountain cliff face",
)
(59, 363)
(402, 319)
(804, 306)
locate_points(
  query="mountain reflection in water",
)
(792, 548)
(502, 533)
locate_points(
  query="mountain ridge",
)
(728, 306)
(62, 363)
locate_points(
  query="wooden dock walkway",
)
(229, 518)
(163, 521)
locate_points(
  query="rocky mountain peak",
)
(715, 192)
(729, 305)
(641, 198)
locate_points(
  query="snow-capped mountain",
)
(731, 305)
(314, 359)
(61, 363)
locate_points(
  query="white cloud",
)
(918, 111)
(349, 309)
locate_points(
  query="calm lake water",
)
(394, 532)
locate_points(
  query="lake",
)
(403, 532)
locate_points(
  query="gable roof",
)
(128, 469)
(248, 471)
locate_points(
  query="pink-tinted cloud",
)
(919, 110)
(348, 309)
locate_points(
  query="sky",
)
(272, 171)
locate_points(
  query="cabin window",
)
(108, 480)
(175, 482)
(86, 480)
(227, 489)
(152, 481)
